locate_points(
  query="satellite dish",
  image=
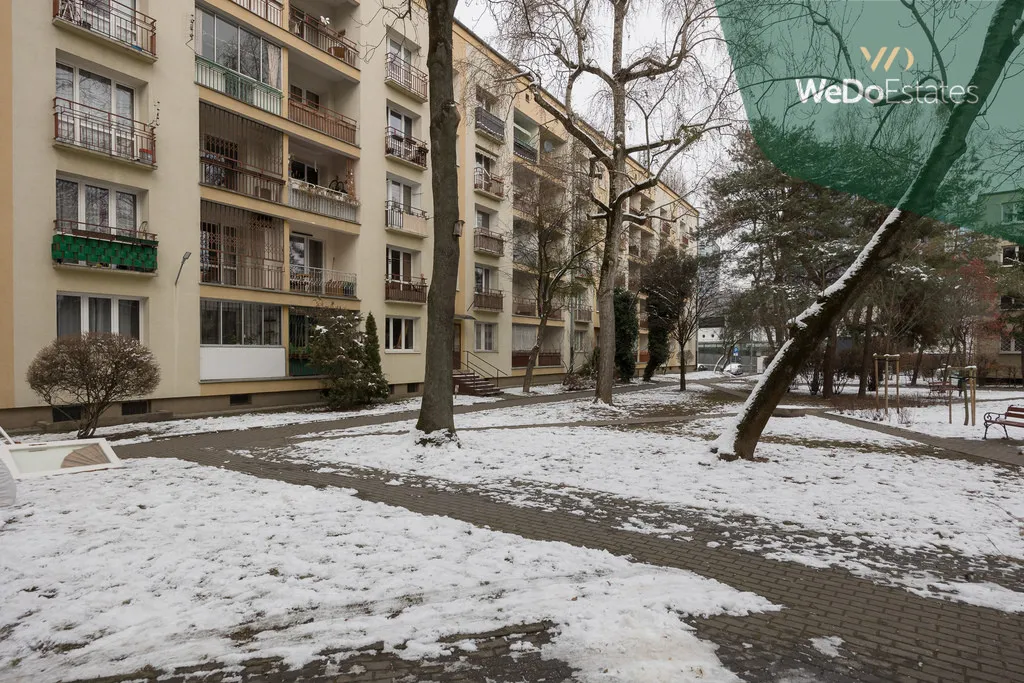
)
(548, 146)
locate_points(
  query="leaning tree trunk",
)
(682, 360)
(534, 353)
(828, 366)
(865, 358)
(436, 413)
(811, 326)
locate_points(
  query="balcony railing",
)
(524, 150)
(399, 216)
(490, 125)
(520, 359)
(338, 126)
(111, 20)
(413, 290)
(403, 74)
(322, 200)
(100, 131)
(265, 9)
(488, 299)
(488, 242)
(322, 37)
(238, 270)
(405, 147)
(487, 182)
(524, 305)
(237, 86)
(228, 174)
(583, 314)
(321, 281)
(101, 245)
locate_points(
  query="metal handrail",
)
(489, 123)
(123, 24)
(406, 147)
(498, 372)
(406, 75)
(106, 232)
(85, 126)
(265, 9)
(488, 182)
(323, 38)
(319, 117)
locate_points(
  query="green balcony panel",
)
(137, 255)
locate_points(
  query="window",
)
(1008, 303)
(95, 205)
(580, 341)
(135, 407)
(236, 49)
(1008, 343)
(1011, 255)
(400, 50)
(401, 194)
(94, 90)
(305, 253)
(235, 323)
(308, 173)
(399, 334)
(486, 162)
(400, 122)
(484, 277)
(486, 333)
(1013, 212)
(399, 265)
(80, 313)
(308, 97)
(483, 220)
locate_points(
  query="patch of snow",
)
(828, 645)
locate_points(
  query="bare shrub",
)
(93, 371)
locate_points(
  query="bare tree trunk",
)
(534, 353)
(436, 409)
(1022, 363)
(917, 365)
(828, 366)
(810, 327)
(865, 358)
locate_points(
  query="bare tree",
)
(437, 419)
(662, 97)
(559, 243)
(808, 330)
(92, 371)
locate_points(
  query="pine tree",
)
(627, 333)
(376, 384)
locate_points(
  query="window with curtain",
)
(485, 336)
(523, 337)
(233, 323)
(95, 205)
(69, 315)
(81, 313)
(399, 334)
(67, 202)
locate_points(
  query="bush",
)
(657, 347)
(93, 371)
(627, 333)
(339, 351)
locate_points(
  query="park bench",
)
(940, 388)
(1013, 417)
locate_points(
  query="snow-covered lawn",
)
(894, 499)
(160, 562)
(935, 419)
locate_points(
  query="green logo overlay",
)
(854, 96)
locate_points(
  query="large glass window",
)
(399, 334)
(234, 323)
(81, 313)
(236, 49)
(95, 91)
(486, 333)
(95, 206)
(399, 265)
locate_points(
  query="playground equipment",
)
(887, 359)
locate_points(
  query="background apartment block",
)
(200, 176)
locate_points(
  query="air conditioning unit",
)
(265, 193)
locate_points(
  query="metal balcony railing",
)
(100, 131)
(67, 227)
(77, 243)
(583, 314)
(322, 200)
(485, 181)
(405, 147)
(265, 9)
(229, 174)
(490, 125)
(524, 305)
(524, 150)
(399, 216)
(237, 86)
(317, 117)
(406, 76)
(488, 242)
(489, 299)
(413, 290)
(112, 20)
(520, 359)
(321, 281)
(242, 271)
(322, 37)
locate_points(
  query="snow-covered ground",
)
(939, 420)
(161, 562)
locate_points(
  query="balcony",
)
(322, 282)
(320, 118)
(520, 359)
(405, 219)
(225, 173)
(237, 86)
(490, 125)
(488, 183)
(265, 9)
(322, 200)
(488, 300)
(583, 314)
(524, 150)
(405, 76)
(322, 37)
(488, 242)
(111, 20)
(524, 305)
(100, 131)
(100, 245)
(398, 145)
(242, 271)
(412, 291)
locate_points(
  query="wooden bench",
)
(1013, 417)
(940, 388)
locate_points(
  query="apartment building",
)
(202, 175)
(1004, 216)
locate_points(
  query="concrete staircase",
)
(468, 382)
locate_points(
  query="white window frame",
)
(408, 122)
(244, 306)
(487, 275)
(115, 311)
(114, 85)
(406, 325)
(414, 196)
(488, 334)
(113, 191)
(404, 52)
(390, 258)
(238, 58)
(486, 161)
(485, 224)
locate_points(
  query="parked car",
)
(733, 369)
